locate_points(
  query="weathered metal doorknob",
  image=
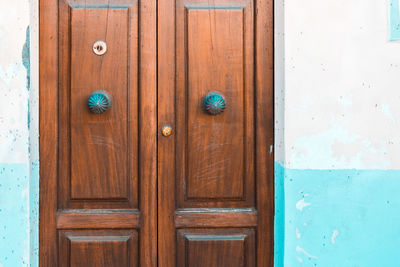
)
(214, 103)
(99, 102)
(166, 130)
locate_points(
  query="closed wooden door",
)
(215, 173)
(156, 133)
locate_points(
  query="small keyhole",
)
(99, 48)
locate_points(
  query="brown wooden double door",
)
(113, 190)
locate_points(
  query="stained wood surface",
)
(98, 248)
(113, 190)
(95, 174)
(216, 247)
(99, 219)
(214, 172)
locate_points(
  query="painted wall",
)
(337, 143)
(18, 134)
(338, 169)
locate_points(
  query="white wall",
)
(18, 133)
(342, 85)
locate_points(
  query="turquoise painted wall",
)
(337, 218)
(14, 215)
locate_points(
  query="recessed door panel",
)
(215, 248)
(113, 248)
(99, 143)
(215, 143)
(99, 152)
(215, 54)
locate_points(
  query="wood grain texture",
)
(99, 154)
(215, 162)
(148, 132)
(216, 248)
(99, 142)
(215, 144)
(212, 203)
(214, 154)
(98, 248)
(166, 145)
(264, 55)
(102, 176)
(99, 219)
(186, 218)
(48, 125)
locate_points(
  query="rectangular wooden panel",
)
(101, 248)
(215, 153)
(99, 154)
(216, 248)
(99, 142)
(216, 144)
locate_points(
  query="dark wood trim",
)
(264, 101)
(48, 125)
(148, 132)
(166, 145)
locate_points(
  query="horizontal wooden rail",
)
(215, 218)
(101, 218)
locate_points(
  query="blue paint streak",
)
(26, 57)
(14, 215)
(362, 205)
(394, 20)
(279, 223)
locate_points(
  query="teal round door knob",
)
(99, 102)
(214, 103)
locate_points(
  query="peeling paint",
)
(302, 250)
(301, 204)
(334, 235)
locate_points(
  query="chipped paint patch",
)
(334, 235)
(301, 204)
(302, 250)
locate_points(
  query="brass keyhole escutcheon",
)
(99, 47)
(166, 130)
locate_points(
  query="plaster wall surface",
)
(337, 174)
(342, 93)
